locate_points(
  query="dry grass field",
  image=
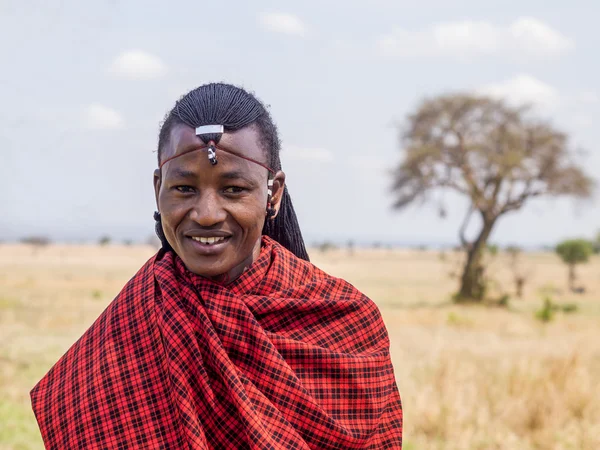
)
(471, 377)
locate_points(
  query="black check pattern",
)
(285, 357)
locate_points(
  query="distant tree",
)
(520, 274)
(596, 243)
(153, 241)
(325, 246)
(36, 241)
(497, 156)
(350, 246)
(104, 240)
(127, 242)
(573, 252)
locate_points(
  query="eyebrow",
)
(237, 174)
(178, 172)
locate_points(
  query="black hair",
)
(235, 108)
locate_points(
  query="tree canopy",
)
(496, 155)
(575, 251)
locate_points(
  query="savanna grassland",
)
(471, 377)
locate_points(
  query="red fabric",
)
(285, 357)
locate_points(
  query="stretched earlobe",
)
(275, 189)
(270, 212)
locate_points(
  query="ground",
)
(471, 377)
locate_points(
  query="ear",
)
(156, 185)
(277, 189)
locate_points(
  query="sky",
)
(85, 85)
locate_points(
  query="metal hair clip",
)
(210, 129)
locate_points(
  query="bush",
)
(492, 249)
(456, 320)
(546, 313)
(570, 308)
(504, 300)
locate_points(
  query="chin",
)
(216, 260)
(207, 270)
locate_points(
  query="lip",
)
(206, 233)
(208, 249)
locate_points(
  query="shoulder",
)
(96, 370)
(301, 273)
(333, 303)
(91, 347)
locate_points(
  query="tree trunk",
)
(572, 277)
(520, 282)
(472, 286)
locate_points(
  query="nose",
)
(208, 211)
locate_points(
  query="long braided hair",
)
(235, 108)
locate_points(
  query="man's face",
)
(213, 216)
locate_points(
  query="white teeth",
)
(208, 240)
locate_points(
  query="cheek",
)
(250, 217)
(172, 213)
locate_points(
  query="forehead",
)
(245, 142)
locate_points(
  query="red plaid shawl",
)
(285, 357)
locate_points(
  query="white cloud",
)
(525, 37)
(537, 38)
(137, 65)
(282, 23)
(523, 89)
(293, 153)
(100, 117)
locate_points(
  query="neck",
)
(236, 271)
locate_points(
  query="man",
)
(228, 338)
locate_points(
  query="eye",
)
(234, 190)
(184, 189)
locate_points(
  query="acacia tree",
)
(573, 252)
(497, 156)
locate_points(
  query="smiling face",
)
(213, 216)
